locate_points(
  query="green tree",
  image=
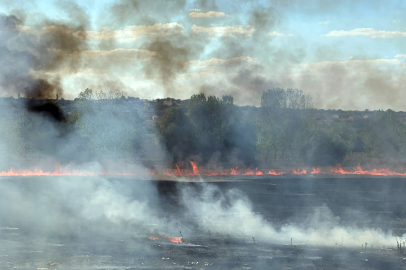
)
(176, 132)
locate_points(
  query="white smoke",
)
(231, 213)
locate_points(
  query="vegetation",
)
(284, 130)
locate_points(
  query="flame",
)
(234, 171)
(315, 170)
(359, 171)
(178, 171)
(249, 172)
(258, 172)
(272, 172)
(334, 170)
(37, 172)
(195, 169)
(299, 171)
(174, 239)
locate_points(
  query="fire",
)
(359, 171)
(249, 172)
(299, 171)
(258, 172)
(272, 172)
(234, 171)
(195, 169)
(178, 171)
(177, 240)
(334, 170)
(37, 172)
(315, 170)
(174, 239)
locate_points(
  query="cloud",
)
(325, 22)
(400, 56)
(237, 31)
(209, 14)
(134, 32)
(367, 32)
(275, 34)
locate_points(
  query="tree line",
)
(284, 130)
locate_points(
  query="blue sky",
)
(307, 21)
(328, 48)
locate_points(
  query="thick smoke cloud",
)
(103, 207)
(71, 52)
(231, 213)
(41, 48)
(170, 61)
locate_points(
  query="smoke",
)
(30, 51)
(157, 41)
(231, 213)
(98, 206)
(362, 80)
(170, 61)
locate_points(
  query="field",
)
(375, 203)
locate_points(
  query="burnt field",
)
(223, 223)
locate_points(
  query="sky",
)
(347, 54)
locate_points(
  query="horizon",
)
(187, 99)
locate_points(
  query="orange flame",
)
(315, 170)
(249, 172)
(178, 171)
(359, 171)
(175, 239)
(299, 171)
(195, 169)
(37, 172)
(258, 172)
(334, 170)
(234, 171)
(272, 172)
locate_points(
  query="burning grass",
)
(195, 171)
(176, 240)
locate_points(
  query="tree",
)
(86, 94)
(176, 132)
(278, 98)
(282, 123)
(323, 149)
(274, 98)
